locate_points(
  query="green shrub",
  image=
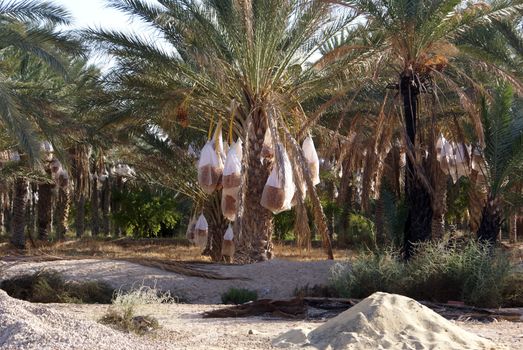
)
(239, 296)
(284, 225)
(360, 233)
(438, 272)
(145, 212)
(50, 287)
(513, 291)
(467, 272)
(369, 273)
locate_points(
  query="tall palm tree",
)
(251, 55)
(503, 158)
(420, 41)
(28, 29)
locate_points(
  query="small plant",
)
(50, 287)
(239, 296)
(121, 314)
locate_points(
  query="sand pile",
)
(386, 321)
(34, 326)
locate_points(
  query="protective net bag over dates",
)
(278, 192)
(228, 243)
(210, 168)
(267, 150)
(201, 230)
(229, 203)
(232, 168)
(309, 151)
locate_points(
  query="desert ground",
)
(182, 326)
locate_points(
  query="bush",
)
(239, 296)
(360, 233)
(513, 291)
(369, 273)
(284, 225)
(438, 272)
(50, 287)
(145, 212)
(121, 314)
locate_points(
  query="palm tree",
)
(45, 207)
(28, 30)
(420, 41)
(503, 158)
(234, 59)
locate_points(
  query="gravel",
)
(26, 326)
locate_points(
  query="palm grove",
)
(413, 106)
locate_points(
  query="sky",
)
(96, 14)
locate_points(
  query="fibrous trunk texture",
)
(95, 217)
(217, 226)
(79, 222)
(254, 241)
(477, 199)
(419, 218)
(19, 212)
(115, 205)
(513, 228)
(490, 225)
(45, 210)
(106, 204)
(62, 212)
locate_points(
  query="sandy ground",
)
(273, 279)
(182, 326)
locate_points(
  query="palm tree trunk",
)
(95, 217)
(115, 205)
(62, 212)
(490, 225)
(2, 205)
(345, 196)
(45, 212)
(477, 199)
(419, 218)
(19, 213)
(79, 222)
(513, 228)
(106, 204)
(8, 210)
(217, 226)
(31, 211)
(254, 241)
(439, 205)
(79, 155)
(519, 225)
